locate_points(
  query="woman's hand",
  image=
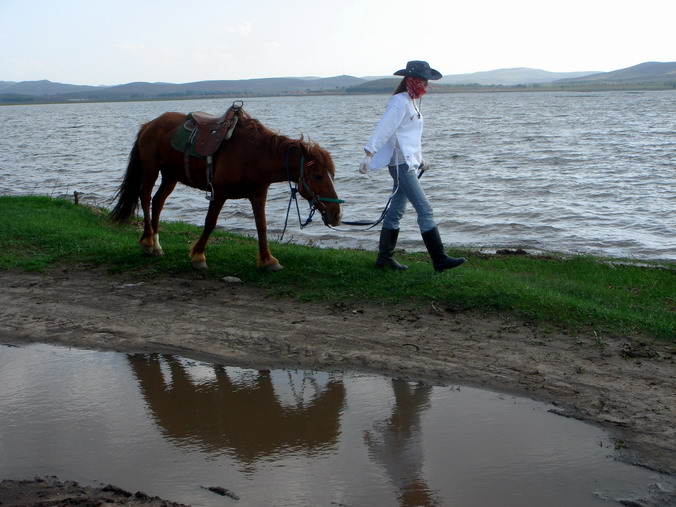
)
(364, 166)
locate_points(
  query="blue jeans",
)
(409, 189)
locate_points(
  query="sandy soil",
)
(621, 383)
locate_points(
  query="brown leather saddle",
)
(209, 131)
(206, 134)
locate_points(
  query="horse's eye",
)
(317, 177)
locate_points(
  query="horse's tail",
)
(130, 190)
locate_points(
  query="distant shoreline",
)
(6, 100)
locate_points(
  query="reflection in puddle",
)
(238, 412)
(396, 443)
(169, 426)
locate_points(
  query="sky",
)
(108, 42)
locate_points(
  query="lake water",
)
(171, 427)
(569, 172)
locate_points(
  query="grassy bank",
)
(577, 293)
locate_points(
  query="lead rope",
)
(371, 225)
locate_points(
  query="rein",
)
(302, 183)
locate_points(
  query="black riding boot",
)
(388, 240)
(435, 247)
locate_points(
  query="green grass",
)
(578, 294)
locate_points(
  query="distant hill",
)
(40, 88)
(5, 84)
(379, 85)
(649, 71)
(142, 90)
(25, 92)
(510, 77)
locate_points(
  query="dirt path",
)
(617, 382)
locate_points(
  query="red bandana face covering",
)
(416, 87)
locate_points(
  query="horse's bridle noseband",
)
(304, 183)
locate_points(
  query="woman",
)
(396, 143)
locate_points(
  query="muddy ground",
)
(619, 382)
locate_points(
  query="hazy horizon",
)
(311, 77)
(114, 42)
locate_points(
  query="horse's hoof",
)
(274, 267)
(199, 265)
(147, 250)
(157, 252)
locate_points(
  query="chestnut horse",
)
(243, 168)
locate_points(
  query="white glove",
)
(364, 166)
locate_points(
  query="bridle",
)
(303, 183)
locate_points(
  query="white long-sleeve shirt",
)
(397, 137)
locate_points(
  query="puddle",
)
(170, 426)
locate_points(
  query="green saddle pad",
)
(181, 138)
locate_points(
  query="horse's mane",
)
(254, 129)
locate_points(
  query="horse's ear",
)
(302, 138)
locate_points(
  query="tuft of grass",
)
(578, 293)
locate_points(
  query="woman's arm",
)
(388, 124)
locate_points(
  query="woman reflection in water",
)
(396, 444)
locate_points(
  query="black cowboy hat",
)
(419, 69)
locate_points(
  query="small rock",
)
(128, 285)
(223, 492)
(231, 279)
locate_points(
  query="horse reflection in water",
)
(248, 420)
(396, 444)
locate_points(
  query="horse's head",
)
(315, 183)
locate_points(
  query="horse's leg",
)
(147, 236)
(151, 172)
(265, 258)
(199, 261)
(166, 188)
